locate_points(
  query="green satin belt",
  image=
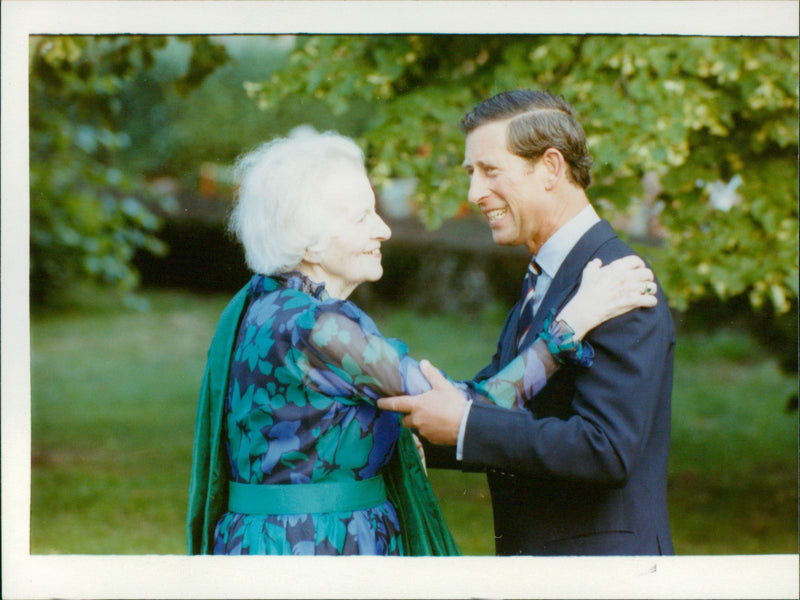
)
(287, 499)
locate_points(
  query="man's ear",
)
(556, 166)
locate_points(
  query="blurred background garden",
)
(132, 139)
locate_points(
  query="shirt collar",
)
(556, 248)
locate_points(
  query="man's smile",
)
(495, 215)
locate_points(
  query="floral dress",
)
(305, 375)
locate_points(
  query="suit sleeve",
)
(612, 409)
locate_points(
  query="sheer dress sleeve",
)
(342, 353)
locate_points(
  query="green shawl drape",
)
(423, 528)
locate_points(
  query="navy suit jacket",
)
(583, 471)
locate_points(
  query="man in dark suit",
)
(583, 470)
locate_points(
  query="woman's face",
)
(354, 253)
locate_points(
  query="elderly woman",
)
(292, 455)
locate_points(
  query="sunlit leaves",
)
(689, 109)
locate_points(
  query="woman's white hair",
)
(278, 213)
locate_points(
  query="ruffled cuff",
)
(558, 336)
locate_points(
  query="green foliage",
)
(88, 215)
(174, 133)
(695, 112)
(206, 57)
(177, 135)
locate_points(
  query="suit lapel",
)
(569, 274)
(508, 338)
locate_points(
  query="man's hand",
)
(436, 414)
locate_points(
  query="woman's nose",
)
(382, 230)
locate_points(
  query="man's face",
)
(509, 190)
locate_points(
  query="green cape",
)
(423, 528)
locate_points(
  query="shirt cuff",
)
(461, 429)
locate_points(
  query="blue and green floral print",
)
(305, 374)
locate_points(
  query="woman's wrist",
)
(563, 344)
(575, 321)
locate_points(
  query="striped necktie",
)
(526, 302)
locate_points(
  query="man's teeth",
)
(493, 215)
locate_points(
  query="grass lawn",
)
(113, 406)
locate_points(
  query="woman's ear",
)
(314, 253)
(313, 256)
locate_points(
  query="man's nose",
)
(478, 190)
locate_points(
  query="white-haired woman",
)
(292, 455)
